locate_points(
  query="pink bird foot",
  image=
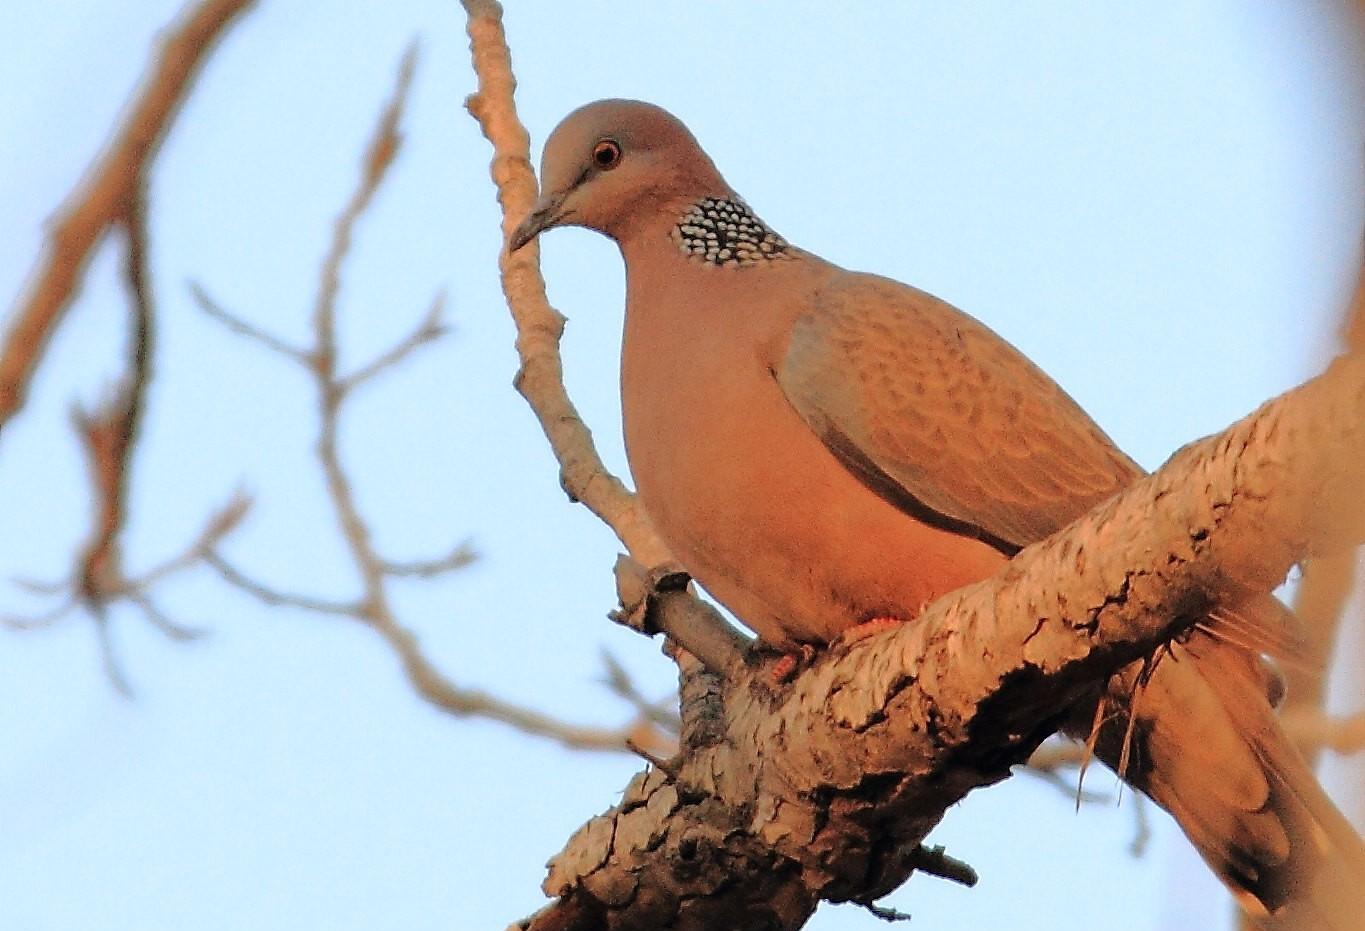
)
(788, 664)
(869, 627)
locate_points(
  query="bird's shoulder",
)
(909, 390)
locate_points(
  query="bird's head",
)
(612, 164)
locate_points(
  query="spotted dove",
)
(821, 448)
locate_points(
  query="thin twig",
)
(275, 598)
(429, 330)
(45, 619)
(113, 669)
(884, 912)
(158, 619)
(109, 435)
(38, 587)
(242, 328)
(221, 523)
(113, 192)
(1323, 592)
(458, 558)
(663, 713)
(102, 197)
(378, 158)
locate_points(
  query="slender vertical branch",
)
(539, 326)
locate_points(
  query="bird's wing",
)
(956, 427)
(942, 417)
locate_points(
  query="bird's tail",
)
(1202, 741)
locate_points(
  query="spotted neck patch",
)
(724, 231)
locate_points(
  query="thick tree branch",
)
(817, 792)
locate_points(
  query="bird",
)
(826, 450)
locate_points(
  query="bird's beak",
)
(549, 211)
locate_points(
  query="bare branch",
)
(539, 326)
(102, 198)
(39, 587)
(216, 529)
(661, 712)
(135, 588)
(114, 193)
(113, 669)
(895, 728)
(432, 685)
(275, 598)
(1311, 728)
(159, 620)
(458, 558)
(429, 330)
(244, 329)
(379, 157)
(110, 434)
(885, 913)
(45, 619)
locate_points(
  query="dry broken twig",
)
(102, 199)
(373, 606)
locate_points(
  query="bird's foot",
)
(788, 664)
(869, 627)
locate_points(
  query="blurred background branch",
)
(109, 195)
(374, 605)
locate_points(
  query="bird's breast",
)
(745, 494)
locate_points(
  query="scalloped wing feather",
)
(919, 398)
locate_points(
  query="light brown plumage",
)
(821, 447)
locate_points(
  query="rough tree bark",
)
(825, 790)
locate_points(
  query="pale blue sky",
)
(1160, 204)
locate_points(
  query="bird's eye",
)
(606, 154)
